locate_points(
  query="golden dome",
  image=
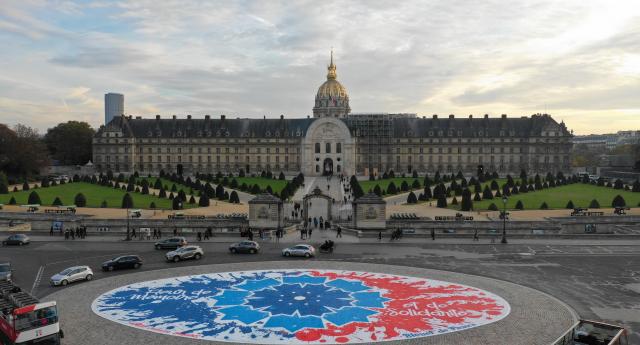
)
(332, 98)
(331, 89)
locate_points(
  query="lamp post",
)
(128, 233)
(504, 220)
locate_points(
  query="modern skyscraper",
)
(113, 106)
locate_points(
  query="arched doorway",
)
(316, 205)
(327, 167)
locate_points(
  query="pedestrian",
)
(278, 235)
(66, 234)
(51, 231)
(315, 222)
(475, 235)
(199, 236)
(310, 231)
(206, 234)
(155, 233)
(250, 235)
(159, 233)
(327, 225)
(73, 236)
(380, 236)
(175, 231)
(302, 233)
(133, 232)
(339, 232)
(321, 225)
(433, 234)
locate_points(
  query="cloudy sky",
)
(577, 60)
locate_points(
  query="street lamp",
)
(128, 233)
(504, 220)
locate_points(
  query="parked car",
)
(300, 250)
(184, 253)
(5, 271)
(17, 239)
(251, 247)
(125, 261)
(171, 243)
(72, 274)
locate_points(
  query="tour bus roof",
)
(12, 297)
(67, 206)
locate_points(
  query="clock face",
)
(300, 307)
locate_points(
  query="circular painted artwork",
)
(300, 307)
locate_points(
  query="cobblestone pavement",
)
(535, 318)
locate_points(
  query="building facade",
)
(113, 106)
(334, 141)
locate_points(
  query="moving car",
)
(251, 247)
(125, 261)
(5, 271)
(17, 239)
(71, 275)
(300, 250)
(171, 243)
(184, 253)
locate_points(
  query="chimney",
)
(486, 116)
(451, 116)
(504, 116)
(470, 116)
(222, 117)
(188, 117)
(207, 117)
(435, 116)
(157, 117)
(138, 117)
(281, 116)
(173, 117)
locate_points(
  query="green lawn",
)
(263, 182)
(94, 194)
(384, 183)
(558, 197)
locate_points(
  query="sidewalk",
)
(321, 235)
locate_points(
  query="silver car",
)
(184, 253)
(5, 271)
(300, 250)
(71, 275)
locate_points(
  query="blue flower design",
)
(307, 299)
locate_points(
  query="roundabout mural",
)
(300, 307)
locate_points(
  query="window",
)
(328, 148)
(317, 151)
(338, 150)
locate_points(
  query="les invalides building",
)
(333, 141)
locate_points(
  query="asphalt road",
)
(600, 281)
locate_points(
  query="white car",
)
(300, 250)
(184, 253)
(71, 275)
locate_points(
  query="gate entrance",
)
(316, 206)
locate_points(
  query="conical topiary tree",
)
(103, 204)
(127, 201)
(176, 204)
(204, 200)
(486, 194)
(493, 207)
(454, 201)
(411, 198)
(594, 204)
(442, 200)
(544, 206)
(192, 200)
(152, 205)
(519, 205)
(234, 198)
(57, 202)
(570, 205)
(80, 200)
(34, 198)
(618, 201)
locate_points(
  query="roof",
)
(12, 297)
(265, 198)
(369, 198)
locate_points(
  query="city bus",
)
(24, 320)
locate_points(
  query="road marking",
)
(37, 281)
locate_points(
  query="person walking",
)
(133, 232)
(310, 232)
(199, 235)
(379, 236)
(159, 233)
(155, 233)
(433, 234)
(250, 235)
(339, 232)
(51, 231)
(175, 231)
(475, 235)
(278, 234)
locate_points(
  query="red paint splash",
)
(413, 307)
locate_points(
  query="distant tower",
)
(332, 99)
(113, 106)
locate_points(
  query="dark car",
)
(125, 261)
(5, 271)
(171, 243)
(17, 239)
(245, 247)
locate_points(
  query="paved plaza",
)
(534, 317)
